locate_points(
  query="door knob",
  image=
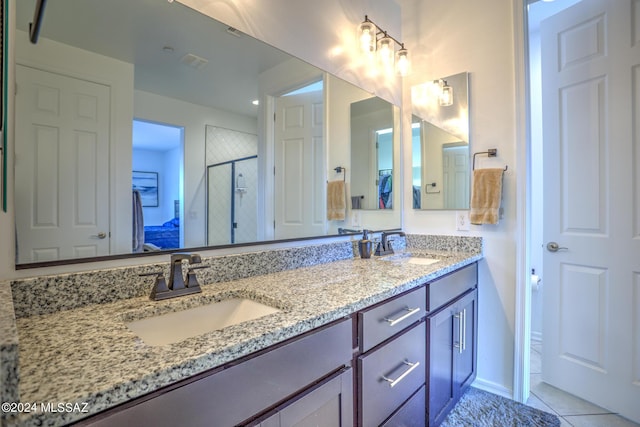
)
(554, 247)
(100, 235)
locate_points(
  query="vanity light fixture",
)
(446, 94)
(374, 39)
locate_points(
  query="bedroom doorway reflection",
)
(232, 183)
(157, 175)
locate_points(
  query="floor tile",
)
(573, 411)
(564, 403)
(607, 420)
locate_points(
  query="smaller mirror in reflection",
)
(372, 154)
(440, 143)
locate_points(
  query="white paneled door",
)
(300, 205)
(61, 166)
(591, 102)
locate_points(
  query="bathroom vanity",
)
(311, 376)
(354, 342)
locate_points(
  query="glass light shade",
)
(385, 51)
(446, 96)
(402, 62)
(367, 35)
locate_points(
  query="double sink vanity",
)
(275, 338)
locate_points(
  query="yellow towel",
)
(336, 201)
(486, 195)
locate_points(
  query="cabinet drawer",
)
(381, 322)
(379, 397)
(412, 413)
(241, 390)
(451, 286)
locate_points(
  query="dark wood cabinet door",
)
(329, 404)
(441, 390)
(465, 361)
(452, 354)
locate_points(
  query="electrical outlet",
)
(355, 218)
(462, 220)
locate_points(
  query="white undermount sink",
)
(422, 261)
(411, 258)
(176, 326)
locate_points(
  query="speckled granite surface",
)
(87, 354)
(8, 347)
(48, 294)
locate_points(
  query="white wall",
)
(447, 38)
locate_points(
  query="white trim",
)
(522, 327)
(492, 387)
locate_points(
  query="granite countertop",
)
(88, 356)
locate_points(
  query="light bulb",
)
(385, 51)
(446, 96)
(402, 62)
(367, 34)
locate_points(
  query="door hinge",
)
(274, 225)
(274, 117)
(274, 171)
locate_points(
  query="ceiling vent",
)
(234, 32)
(194, 61)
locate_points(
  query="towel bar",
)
(342, 170)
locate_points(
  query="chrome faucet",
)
(176, 286)
(384, 247)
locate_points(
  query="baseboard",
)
(492, 387)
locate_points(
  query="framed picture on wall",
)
(147, 185)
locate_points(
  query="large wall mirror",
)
(143, 126)
(440, 143)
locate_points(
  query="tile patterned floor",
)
(573, 411)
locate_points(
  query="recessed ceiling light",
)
(167, 49)
(256, 102)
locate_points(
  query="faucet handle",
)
(192, 280)
(160, 287)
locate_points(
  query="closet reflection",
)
(372, 139)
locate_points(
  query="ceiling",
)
(155, 35)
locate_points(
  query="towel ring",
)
(342, 170)
(491, 152)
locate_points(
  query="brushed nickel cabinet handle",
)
(464, 329)
(460, 344)
(409, 312)
(412, 366)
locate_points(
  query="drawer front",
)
(412, 413)
(451, 286)
(381, 322)
(379, 397)
(243, 390)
